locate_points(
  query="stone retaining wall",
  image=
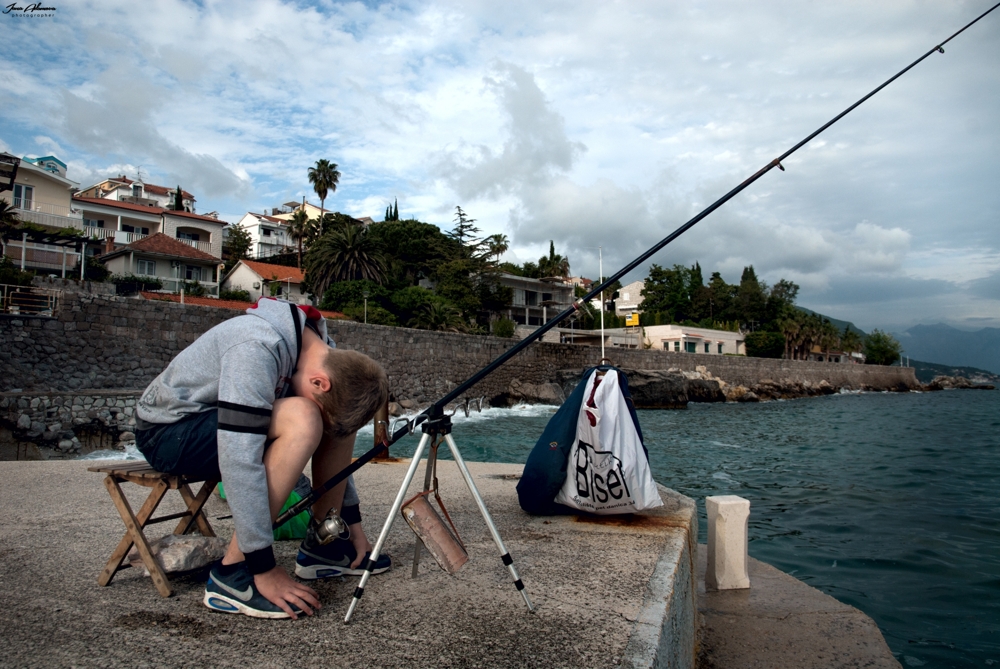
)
(103, 341)
(64, 425)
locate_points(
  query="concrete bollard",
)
(728, 516)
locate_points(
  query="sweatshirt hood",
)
(279, 314)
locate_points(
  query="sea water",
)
(888, 502)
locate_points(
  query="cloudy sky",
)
(588, 123)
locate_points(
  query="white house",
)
(629, 298)
(269, 234)
(127, 222)
(123, 189)
(264, 280)
(684, 339)
(168, 259)
(536, 300)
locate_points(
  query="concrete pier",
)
(609, 593)
(613, 592)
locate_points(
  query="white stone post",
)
(728, 517)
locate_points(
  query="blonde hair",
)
(358, 388)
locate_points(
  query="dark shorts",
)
(189, 446)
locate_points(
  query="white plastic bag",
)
(608, 471)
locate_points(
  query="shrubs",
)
(235, 295)
(130, 284)
(504, 327)
(11, 274)
(765, 344)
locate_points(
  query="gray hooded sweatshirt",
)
(240, 366)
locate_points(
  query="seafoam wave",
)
(486, 415)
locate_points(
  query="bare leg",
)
(331, 457)
(296, 430)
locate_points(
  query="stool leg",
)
(135, 531)
(194, 505)
(145, 513)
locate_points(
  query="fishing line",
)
(438, 406)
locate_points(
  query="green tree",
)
(465, 232)
(438, 316)
(553, 264)
(237, 246)
(668, 291)
(412, 250)
(497, 245)
(178, 203)
(751, 299)
(881, 348)
(324, 177)
(504, 327)
(8, 214)
(762, 344)
(850, 341)
(298, 230)
(344, 254)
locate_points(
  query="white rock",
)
(24, 422)
(728, 517)
(65, 445)
(181, 552)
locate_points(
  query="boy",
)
(255, 398)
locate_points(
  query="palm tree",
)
(497, 245)
(438, 316)
(554, 264)
(324, 177)
(298, 229)
(344, 254)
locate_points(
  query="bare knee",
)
(298, 418)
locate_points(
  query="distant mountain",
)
(926, 371)
(837, 323)
(946, 345)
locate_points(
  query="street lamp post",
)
(600, 256)
(365, 294)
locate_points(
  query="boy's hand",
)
(283, 591)
(361, 543)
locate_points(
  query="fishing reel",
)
(332, 527)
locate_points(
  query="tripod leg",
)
(417, 545)
(504, 555)
(367, 565)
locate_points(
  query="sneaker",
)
(334, 559)
(237, 593)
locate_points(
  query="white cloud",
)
(589, 123)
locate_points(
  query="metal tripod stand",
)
(438, 424)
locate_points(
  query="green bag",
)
(294, 528)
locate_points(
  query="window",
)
(706, 347)
(146, 267)
(690, 347)
(267, 233)
(131, 228)
(23, 195)
(720, 349)
(136, 190)
(192, 273)
(91, 223)
(193, 236)
(677, 346)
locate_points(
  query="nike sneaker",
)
(236, 593)
(334, 559)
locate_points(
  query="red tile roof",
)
(165, 245)
(120, 205)
(269, 272)
(187, 214)
(163, 190)
(220, 304)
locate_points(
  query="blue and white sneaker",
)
(334, 559)
(237, 593)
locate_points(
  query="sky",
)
(598, 125)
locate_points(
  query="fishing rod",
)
(437, 408)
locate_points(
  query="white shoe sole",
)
(319, 571)
(224, 604)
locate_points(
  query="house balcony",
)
(33, 211)
(201, 246)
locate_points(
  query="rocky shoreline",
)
(675, 388)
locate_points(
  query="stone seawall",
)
(102, 341)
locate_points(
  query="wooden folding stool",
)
(143, 474)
